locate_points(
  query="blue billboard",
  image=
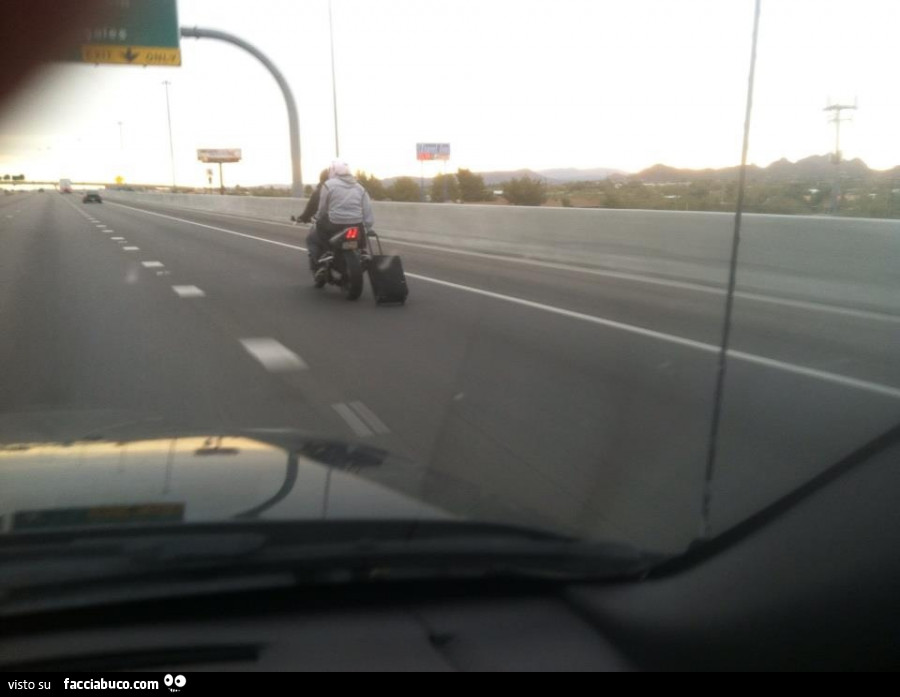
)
(432, 151)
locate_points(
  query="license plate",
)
(350, 244)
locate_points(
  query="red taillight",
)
(353, 233)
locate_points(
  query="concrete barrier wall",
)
(847, 261)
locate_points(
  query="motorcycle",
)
(346, 260)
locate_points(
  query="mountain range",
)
(815, 167)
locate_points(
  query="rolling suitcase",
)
(388, 279)
(386, 275)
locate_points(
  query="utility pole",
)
(836, 119)
(171, 146)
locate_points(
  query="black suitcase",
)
(388, 280)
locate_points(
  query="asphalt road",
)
(579, 399)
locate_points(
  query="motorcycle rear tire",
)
(352, 283)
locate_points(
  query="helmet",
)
(338, 168)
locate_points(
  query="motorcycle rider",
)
(312, 206)
(342, 202)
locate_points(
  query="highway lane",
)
(850, 340)
(545, 415)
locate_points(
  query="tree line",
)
(464, 186)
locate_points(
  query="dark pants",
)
(316, 243)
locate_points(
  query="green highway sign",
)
(133, 32)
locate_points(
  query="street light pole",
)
(121, 153)
(293, 119)
(171, 146)
(337, 145)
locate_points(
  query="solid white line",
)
(273, 355)
(355, 423)
(835, 378)
(213, 227)
(660, 336)
(152, 264)
(619, 275)
(369, 417)
(649, 280)
(189, 291)
(878, 388)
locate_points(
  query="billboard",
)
(432, 151)
(220, 155)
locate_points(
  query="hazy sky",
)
(509, 84)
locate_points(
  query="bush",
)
(525, 192)
(405, 189)
(471, 187)
(444, 187)
(373, 186)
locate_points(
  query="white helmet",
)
(338, 168)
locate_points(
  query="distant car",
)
(92, 197)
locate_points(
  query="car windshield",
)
(618, 272)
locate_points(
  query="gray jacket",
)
(344, 201)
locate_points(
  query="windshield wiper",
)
(39, 571)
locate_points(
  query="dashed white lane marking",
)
(152, 264)
(273, 355)
(353, 421)
(117, 238)
(188, 291)
(131, 249)
(366, 415)
(360, 419)
(834, 378)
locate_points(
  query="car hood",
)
(72, 468)
(201, 478)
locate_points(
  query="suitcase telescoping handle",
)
(370, 236)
